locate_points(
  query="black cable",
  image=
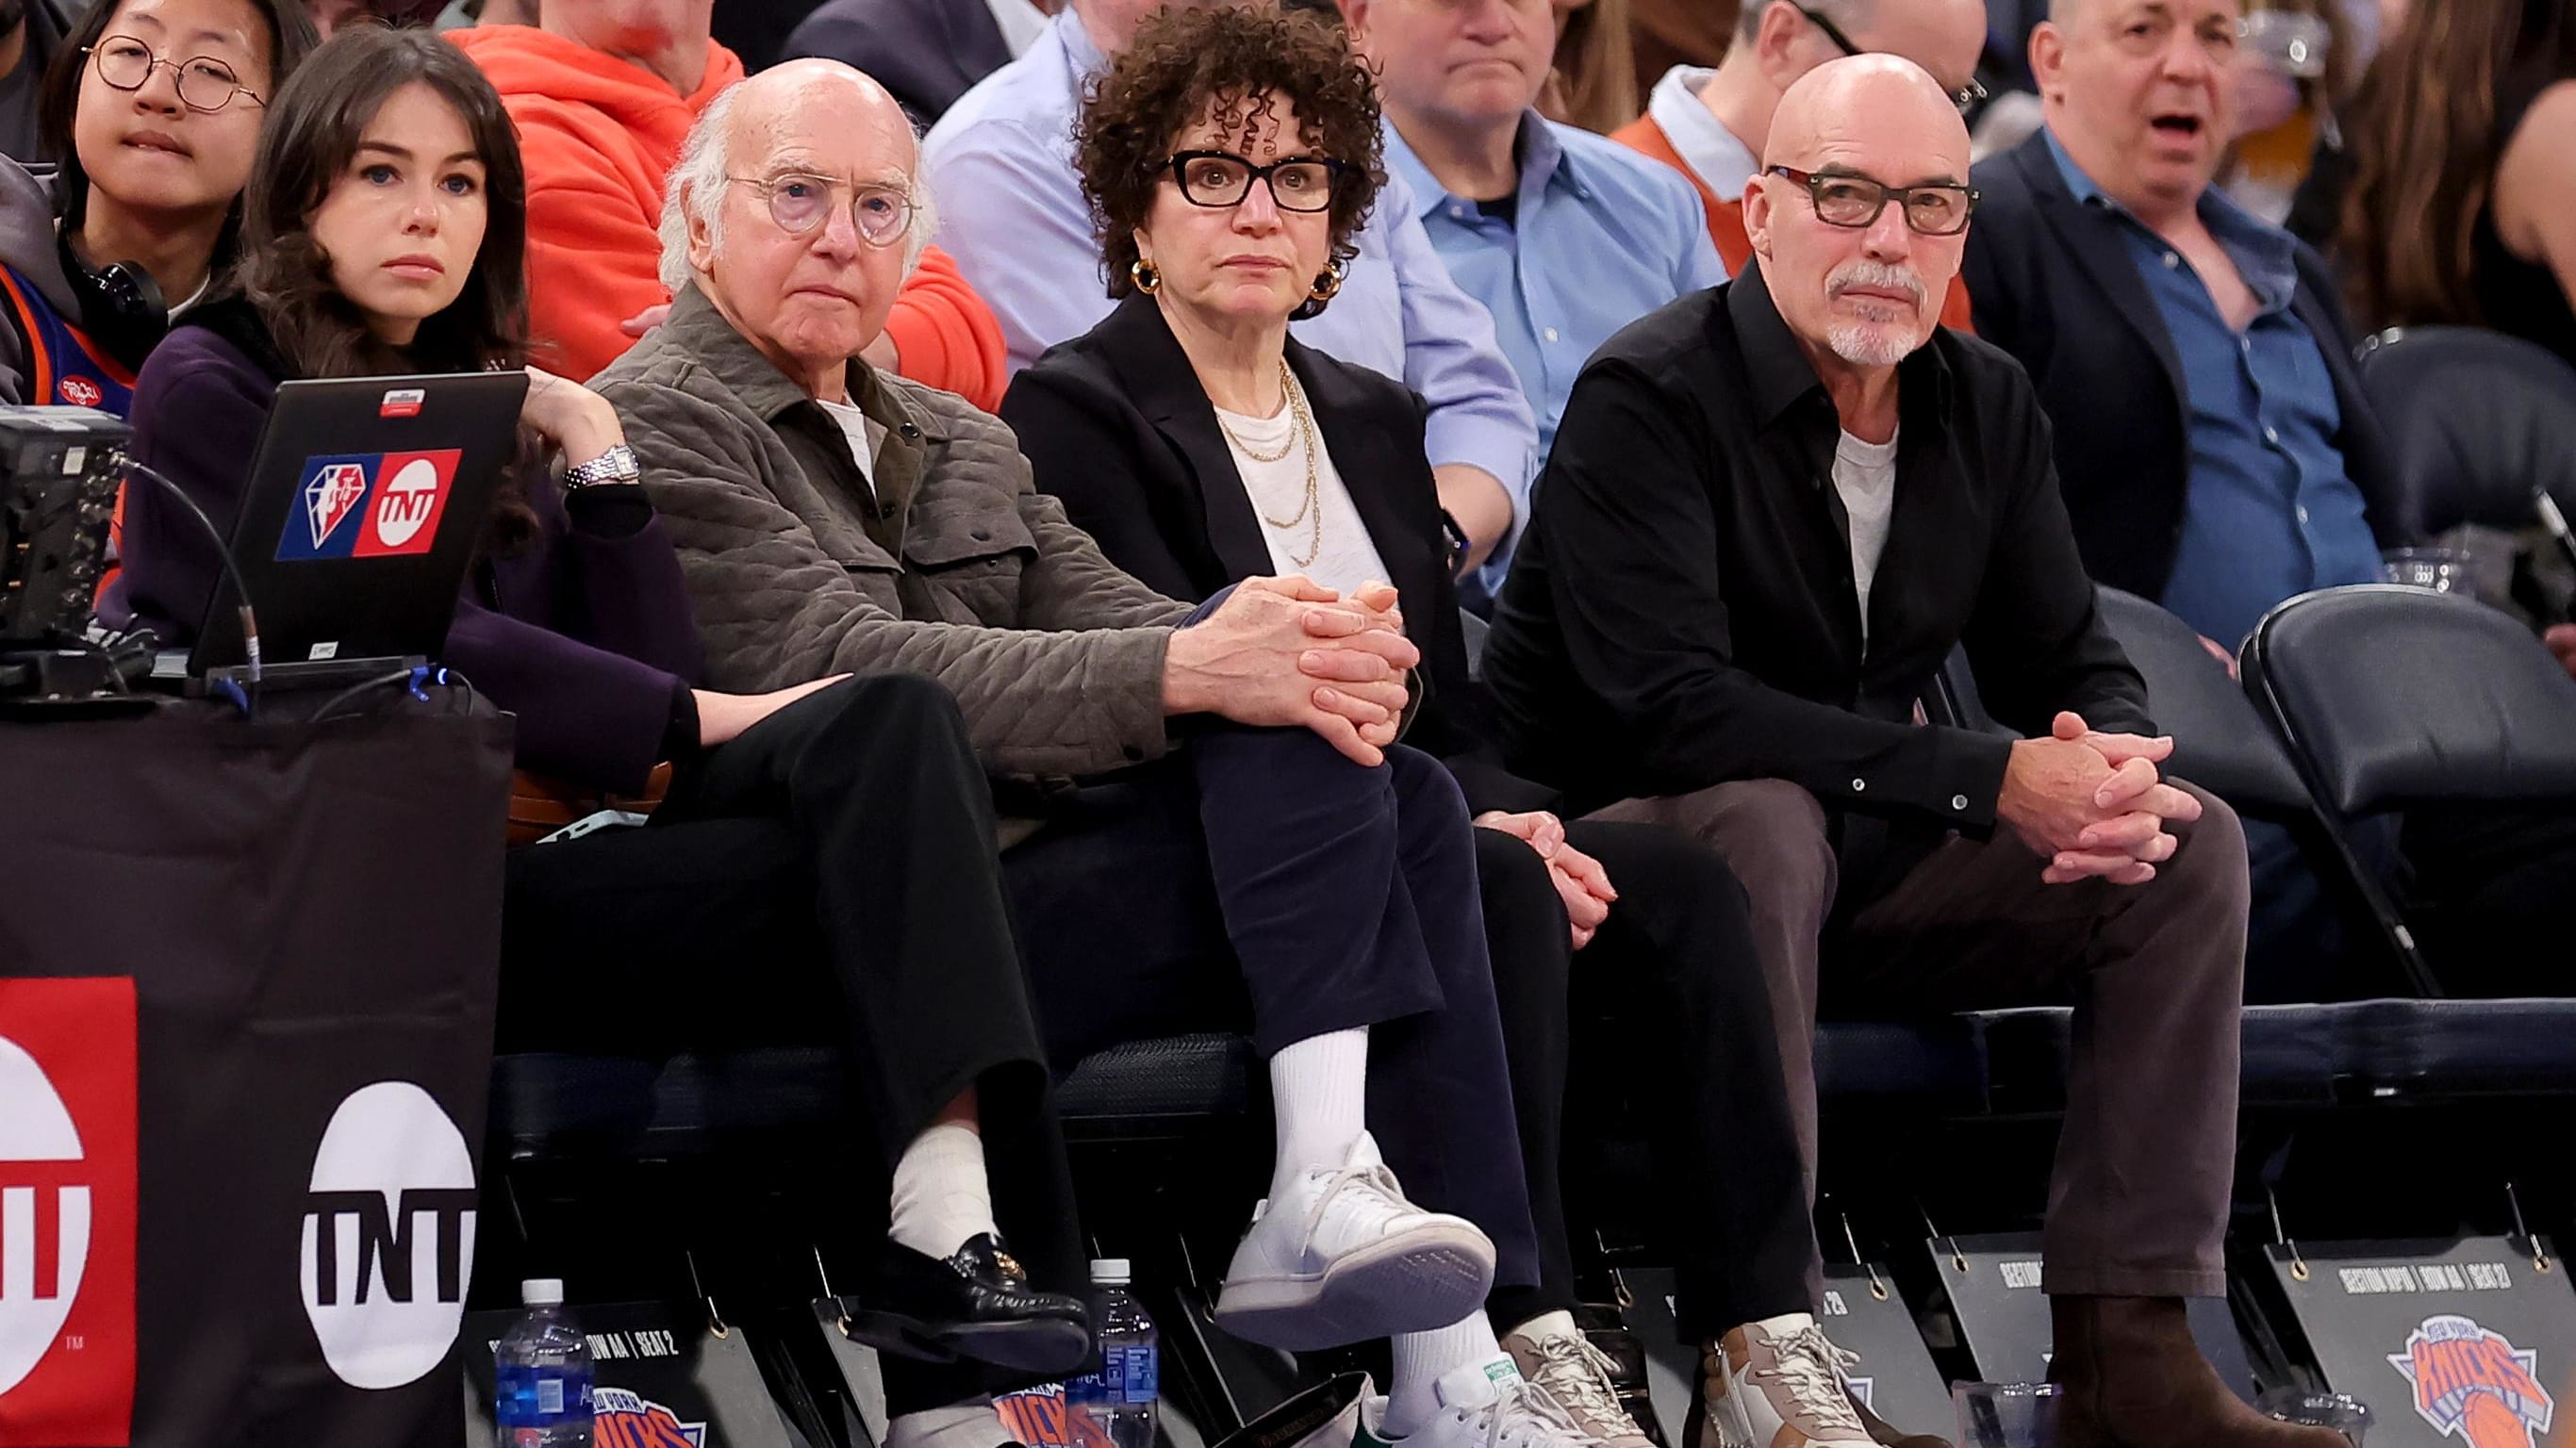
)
(223, 552)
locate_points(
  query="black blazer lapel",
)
(1363, 452)
(1166, 390)
(2093, 235)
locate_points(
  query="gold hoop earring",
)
(1143, 273)
(1328, 285)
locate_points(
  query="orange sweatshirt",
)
(598, 136)
(1726, 215)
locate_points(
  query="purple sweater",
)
(585, 634)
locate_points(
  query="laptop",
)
(366, 499)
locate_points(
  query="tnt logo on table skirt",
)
(67, 1211)
(368, 505)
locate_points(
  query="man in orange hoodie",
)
(604, 92)
(1711, 124)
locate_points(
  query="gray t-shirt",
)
(1865, 476)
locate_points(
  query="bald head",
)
(1856, 272)
(1883, 102)
(809, 99)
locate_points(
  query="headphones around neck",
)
(121, 307)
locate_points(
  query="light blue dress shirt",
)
(2270, 512)
(1011, 211)
(1599, 237)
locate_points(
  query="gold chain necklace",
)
(1311, 511)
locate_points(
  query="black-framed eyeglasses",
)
(205, 83)
(800, 203)
(1966, 97)
(1842, 199)
(1222, 178)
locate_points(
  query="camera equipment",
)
(59, 470)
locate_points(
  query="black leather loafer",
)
(976, 1304)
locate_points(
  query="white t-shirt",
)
(864, 433)
(1345, 558)
(1865, 476)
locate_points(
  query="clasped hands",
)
(1579, 879)
(2092, 803)
(1282, 652)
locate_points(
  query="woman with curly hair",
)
(1230, 154)
(2463, 206)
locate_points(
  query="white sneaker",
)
(1342, 1257)
(1483, 1405)
(1578, 1376)
(1780, 1381)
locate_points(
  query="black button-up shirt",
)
(1681, 613)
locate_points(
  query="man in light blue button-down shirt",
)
(1565, 236)
(1000, 165)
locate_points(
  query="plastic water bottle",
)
(1119, 1399)
(542, 1374)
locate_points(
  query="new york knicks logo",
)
(620, 1419)
(2473, 1384)
(368, 505)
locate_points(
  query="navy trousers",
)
(1257, 881)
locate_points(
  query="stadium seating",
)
(2476, 420)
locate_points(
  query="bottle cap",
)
(541, 1292)
(1109, 1272)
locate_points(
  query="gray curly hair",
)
(696, 188)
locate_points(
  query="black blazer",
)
(2052, 282)
(928, 52)
(1116, 426)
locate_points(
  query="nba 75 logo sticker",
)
(368, 505)
(67, 1211)
(2474, 1385)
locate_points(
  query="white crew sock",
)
(941, 1197)
(970, 1424)
(1559, 1323)
(1319, 1098)
(1422, 1359)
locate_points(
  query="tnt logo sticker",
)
(67, 1210)
(2474, 1385)
(621, 1419)
(368, 505)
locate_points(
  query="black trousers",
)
(830, 873)
(1258, 881)
(1670, 992)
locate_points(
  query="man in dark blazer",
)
(2215, 448)
(928, 52)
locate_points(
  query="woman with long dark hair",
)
(2463, 206)
(825, 853)
(154, 107)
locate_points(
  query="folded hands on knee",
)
(1579, 879)
(1290, 652)
(2094, 803)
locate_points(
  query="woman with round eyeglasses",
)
(155, 108)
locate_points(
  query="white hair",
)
(696, 188)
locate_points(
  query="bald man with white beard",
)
(1773, 510)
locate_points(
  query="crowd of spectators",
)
(1040, 477)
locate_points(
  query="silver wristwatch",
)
(617, 465)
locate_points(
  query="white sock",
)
(940, 1195)
(1319, 1098)
(970, 1424)
(1546, 1325)
(1422, 1359)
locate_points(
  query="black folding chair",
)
(2397, 698)
(2476, 420)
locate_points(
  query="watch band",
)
(617, 465)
